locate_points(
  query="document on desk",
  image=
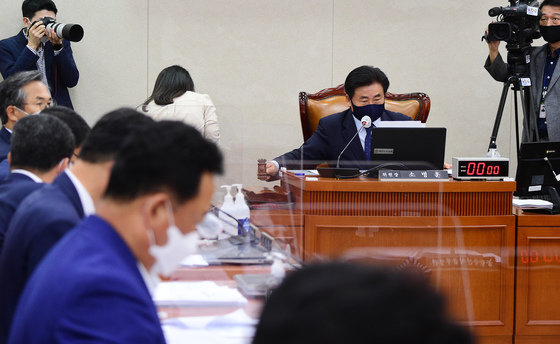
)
(532, 203)
(197, 294)
(194, 260)
(400, 124)
(233, 328)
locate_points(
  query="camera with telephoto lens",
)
(70, 32)
(518, 24)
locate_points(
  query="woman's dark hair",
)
(171, 83)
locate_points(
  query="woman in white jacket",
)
(173, 98)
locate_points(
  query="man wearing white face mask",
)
(20, 95)
(46, 215)
(93, 284)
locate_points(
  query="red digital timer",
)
(480, 168)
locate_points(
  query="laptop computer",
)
(407, 149)
(533, 171)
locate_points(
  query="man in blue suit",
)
(94, 284)
(46, 215)
(41, 148)
(20, 94)
(365, 89)
(36, 48)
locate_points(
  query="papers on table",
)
(233, 328)
(400, 124)
(197, 294)
(532, 204)
(194, 260)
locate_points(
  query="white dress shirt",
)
(85, 197)
(29, 174)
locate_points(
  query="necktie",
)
(367, 143)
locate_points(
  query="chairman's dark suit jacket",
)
(332, 135)
(40, 221)
(13, 190)
(88, 288)
(61, 70)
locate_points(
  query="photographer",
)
(545, 89)
(39, 48)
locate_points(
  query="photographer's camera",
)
(70, 32)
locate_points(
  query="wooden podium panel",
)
(538, 279)
(366, 197)
(471, 261)
(461, 233)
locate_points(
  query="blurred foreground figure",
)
(349, 303)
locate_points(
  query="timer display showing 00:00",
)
(482, 169)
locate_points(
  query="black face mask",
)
(551, 34)
(374, 111)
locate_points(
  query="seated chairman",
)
(365, 89)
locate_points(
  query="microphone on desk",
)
(258, 236)
(366, 123)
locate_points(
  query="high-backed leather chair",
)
(313, 107)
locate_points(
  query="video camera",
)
(70, 32)
(517, 24)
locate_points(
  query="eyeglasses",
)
(42, 105)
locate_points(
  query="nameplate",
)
(414, 175)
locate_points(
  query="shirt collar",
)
(554, 55)
(150, 280)
(359, 123)
(85, 198)
(29, 174)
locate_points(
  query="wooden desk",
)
(538, 279)
(461, 232)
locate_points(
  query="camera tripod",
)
(518, 79)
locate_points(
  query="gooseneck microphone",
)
(366, 123)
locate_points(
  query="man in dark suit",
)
(20, 94)
(48, 214)
(94, 284)
(79, 129)
(41, 148)
(365, 89)
(36, 48)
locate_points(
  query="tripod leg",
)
(494, 135)
(516, 111)
(529, 117)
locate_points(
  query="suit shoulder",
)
(335, 118)
(10, 43)
(396, 116)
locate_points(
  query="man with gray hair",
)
(41, 148)
(21, 94)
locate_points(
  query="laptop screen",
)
(533, 171)
(407, 148)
